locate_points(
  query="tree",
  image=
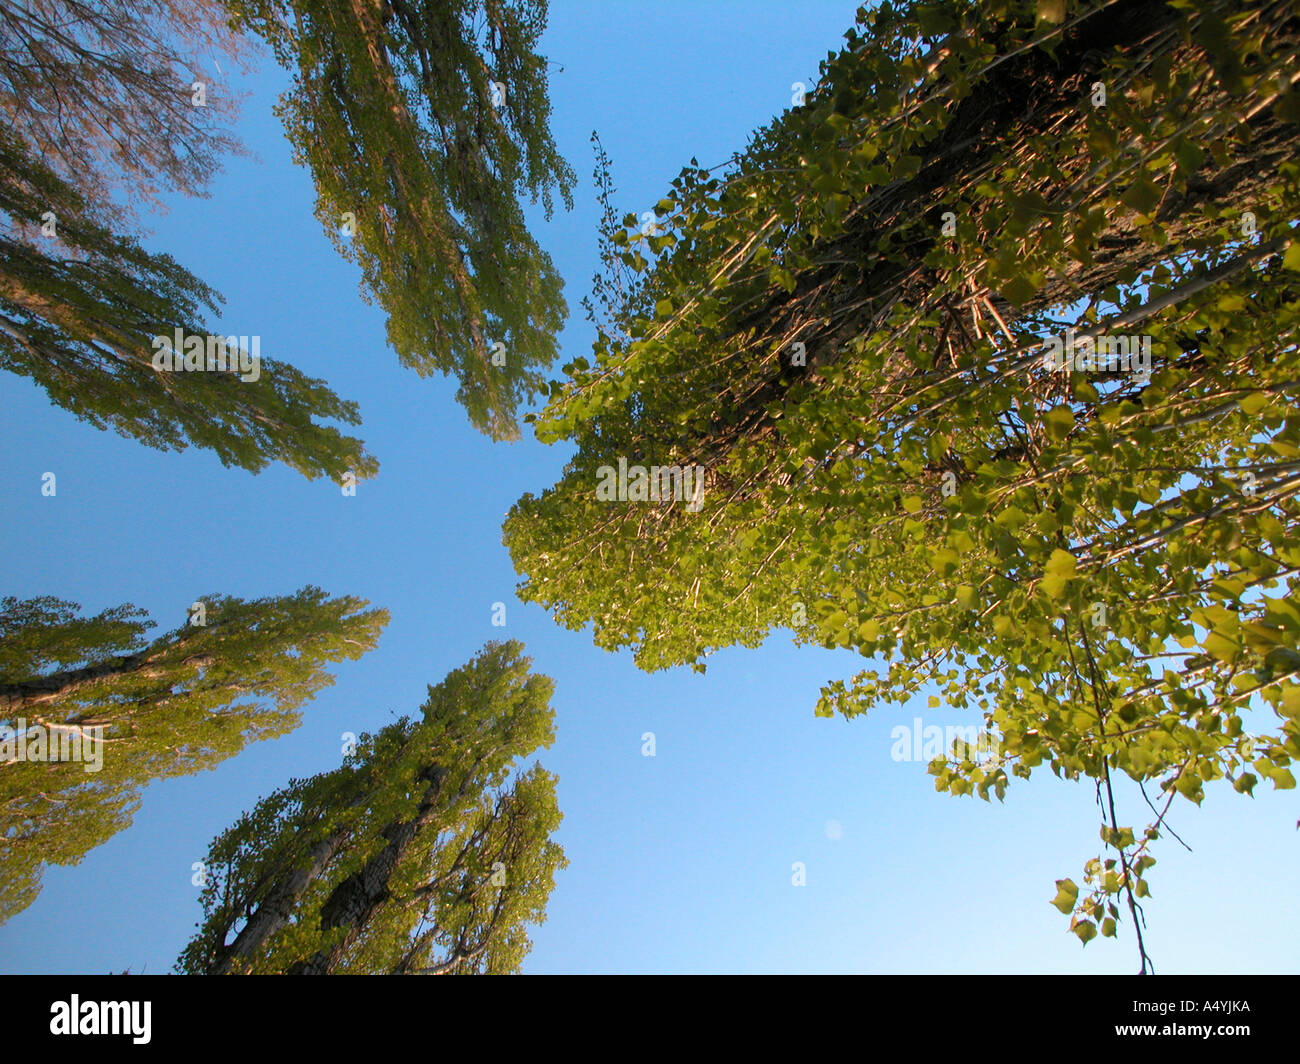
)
(82, 305)
(849, 332)
(107, 95)
(416, 856)
(235, 673)
(422, 122)
(79, 313)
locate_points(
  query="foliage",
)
(78, 314)
(417, 856)
(892, 469)
(169, 706)
(103, 94)
(392, 109)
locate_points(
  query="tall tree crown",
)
(423, 122)
(847, 329)
(419, 855)
(169, 706)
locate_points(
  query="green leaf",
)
(1021, 288)
(944, 561)
(1085, 392)
(1143, 195)
(1253, 403)
(1085, 929)
(1059, 421)
(1011, 518)
(1051, 11)
(1061, 563)
(1066, 895)
(1223, 648)
(1058, 573)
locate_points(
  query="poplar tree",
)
(236, 672)
(79, 310)
(105, 110)
(424, 853)
(847, 327)
(122, 98)
(423, 123)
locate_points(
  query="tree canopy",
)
(421, 854)
(847, 328)
(422, 122)
(79, 312)
(236, 672)
(105, 94)
(92, 133)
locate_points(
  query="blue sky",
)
(681, 862)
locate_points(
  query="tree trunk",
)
(352, 902)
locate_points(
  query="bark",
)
(351, 903)
(1027, 95)
(16, 697)
(275, 908)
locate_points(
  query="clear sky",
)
(681, 862)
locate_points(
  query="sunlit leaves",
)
(1085, 555)
(177, 704)
(394, 110)
(1066, 895)
(424, 853)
